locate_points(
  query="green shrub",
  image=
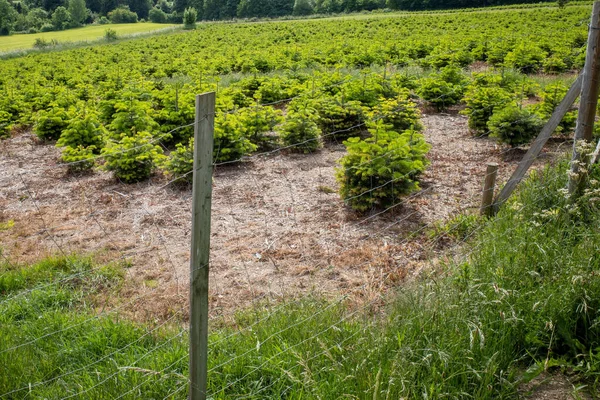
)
(181, 161)
(378, 170)
(518, 83)
(5, 124)
(50, 124)
(551, 96)
(401, 113)
(277, 89)
(345, 119)
(131, 116)
(174, 110)
(103, 20)
(110, 35)
(555, 64)
(122, 15)
(301, 131)
(439, 93)
(454, 75)
(526, 58)
(47, 27)
(514, 125)
(231, 142)
(157, 15)
(40, 43)
(189, 18)
(80, 158)
(481, 102)
(84, 129)
(368, 90)
(258, 121)
(133, 158)
(61, 18)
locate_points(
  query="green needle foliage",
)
(378, 170)
(551, 96)
(514, 125)
(399, 112)
(83, 129)
(181, 161)
(301, 131)
(481, 102)
(51, 124)
(258, 122)
(79, 158)
(133, 158)
(231, 141)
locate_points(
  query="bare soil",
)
(279, 229)
(554, 386)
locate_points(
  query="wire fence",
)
(280, 234)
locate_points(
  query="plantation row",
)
(530, 40)
(377, 113)
(117, 104)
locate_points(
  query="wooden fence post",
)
(487, 198)
(200, 248)
(589, 99)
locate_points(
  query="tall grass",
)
(524, 296)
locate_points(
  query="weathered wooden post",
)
(200, 249)
(589, 101)
(489, 186)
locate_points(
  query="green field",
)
(88, 33)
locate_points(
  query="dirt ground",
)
(279, 230)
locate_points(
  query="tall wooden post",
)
(487, 208)
(200, 251)
(589, 99)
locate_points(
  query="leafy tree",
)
(95, 6)
(302, 7)
(107, 6)
(229, 10)
(254, 8)
(212, 9)
(8, 16)
(279, 8)
(179, 6)
(157, 15)
(328, 6)
(78, 11)
(140, 7)
(36, 17)
(51, 5)
(61, 18)
(189, 18)
(122, 15)
(197, 5)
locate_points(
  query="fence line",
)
(47, 231)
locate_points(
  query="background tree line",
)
(44, 15)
